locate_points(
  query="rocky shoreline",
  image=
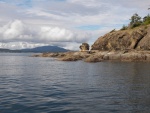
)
(99, 56)
(123, 45)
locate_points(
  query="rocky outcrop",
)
(84, 47)
(74, 56)
(98, 56)
(144, 44)
(126, 45)
(138, 39)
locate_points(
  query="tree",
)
(146, 20)
(135, 21)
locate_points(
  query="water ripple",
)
(43, 85)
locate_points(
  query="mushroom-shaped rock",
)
(84, 47)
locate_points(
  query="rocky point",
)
(122, 45)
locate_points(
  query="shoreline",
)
(99, 56)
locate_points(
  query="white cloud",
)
(14, 31)
(17, 31)
(56, 34)
(20, 45)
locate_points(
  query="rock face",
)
(138, 39)
(84, 47)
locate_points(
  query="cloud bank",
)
(17, 31)
(17, 35)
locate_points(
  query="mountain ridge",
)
(37, 49)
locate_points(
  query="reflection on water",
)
(43, 85)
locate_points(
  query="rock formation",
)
(123, 45)
(98, 56)
(138, 39)
(84, 47)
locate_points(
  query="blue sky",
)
(66, 23)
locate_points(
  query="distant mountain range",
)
(9, 51)
(37, 49)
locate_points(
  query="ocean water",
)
(44, 85)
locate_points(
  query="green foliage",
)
(136, 24)
(146, 20)
(124, 27)
(135, 21)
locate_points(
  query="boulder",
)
(93, 58)
(74, 56)
(84, 47)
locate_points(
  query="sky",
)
(63, 23)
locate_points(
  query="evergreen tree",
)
(146, 20)
(135, 21)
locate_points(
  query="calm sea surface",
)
(44, 85)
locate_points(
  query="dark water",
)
(43, 85)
